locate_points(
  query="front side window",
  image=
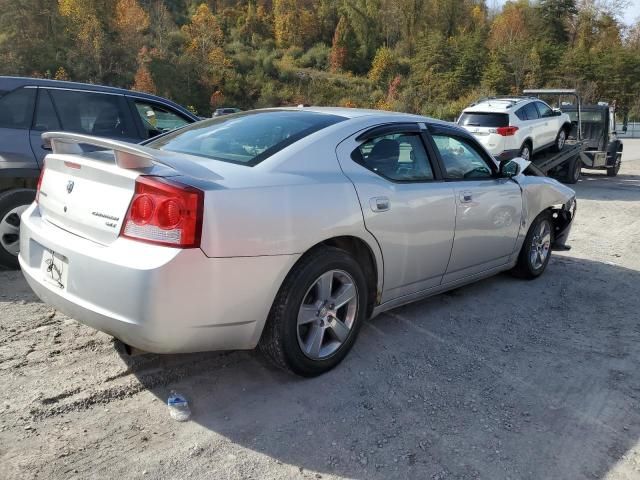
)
(16, 108)
(245, 138)
(461, 161)
(545, 110)
(398, 157)
(92, 113)
(157, 119)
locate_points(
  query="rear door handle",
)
(379, 204)
(466, 197)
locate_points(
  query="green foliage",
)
(427, 56)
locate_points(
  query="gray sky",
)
(631, 14)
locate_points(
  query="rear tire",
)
(12, 204)
(561, 139)
(574, 170)
(525, 151)
(536, 249)
(288, 338)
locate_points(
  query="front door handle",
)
(379, 204)
(466, 197)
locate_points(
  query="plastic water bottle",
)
(178, 407)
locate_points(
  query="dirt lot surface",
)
(501, 379)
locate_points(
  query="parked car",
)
(269, 228)
(516, 126)
(225, 111)
(30, 106)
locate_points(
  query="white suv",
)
(516, 126)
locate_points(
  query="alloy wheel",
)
(540, 245)
(525, 152)
(327, 314)
(10, 230)
(562, 137)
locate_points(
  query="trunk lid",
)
(87, 195)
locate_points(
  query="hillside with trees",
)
(426, 56)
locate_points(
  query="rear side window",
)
(479, 119)
(245, 138)
(92, 113)
(521, 113)
(16, 108)
(531, 111)
(399, 157)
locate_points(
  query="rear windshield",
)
(479, 119)
(245, 138)
(592, 116)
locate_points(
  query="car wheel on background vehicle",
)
(525, 151)
(574, 170)
(561, 138)
(536, 249)
(12, 204)
(612, 172)
(317, 313)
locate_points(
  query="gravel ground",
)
(501, 379)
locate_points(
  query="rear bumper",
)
(157, 299)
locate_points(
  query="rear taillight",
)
(39, 184)
(165, 213)
(506, 131)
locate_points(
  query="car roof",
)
(364, 112)
(11, 83)
(498, 104)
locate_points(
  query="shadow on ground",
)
(501, 379)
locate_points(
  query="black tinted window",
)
(477, 119)
(531, 111)
(544, 110)
(245, 138)
(46, 118)
(16, 108)
(399, 157)
(521, 113)
(92, 113)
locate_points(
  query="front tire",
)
(12, 204)
(316, 316)
(536, 250)
(613, 171)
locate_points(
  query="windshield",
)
(480, 119)
(245, 138)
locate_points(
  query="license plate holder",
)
(55, 269)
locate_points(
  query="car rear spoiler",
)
(128, 155)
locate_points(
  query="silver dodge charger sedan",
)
(280, 228)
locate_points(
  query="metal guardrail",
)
(633, 131)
